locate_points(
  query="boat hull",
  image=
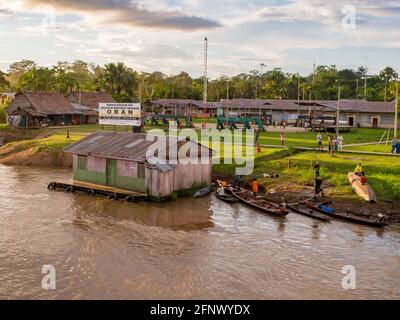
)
(347, 216)
(262, 205)
(363, 190)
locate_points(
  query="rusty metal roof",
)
(348, 105)
(123, 145)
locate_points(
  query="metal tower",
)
(205, 71)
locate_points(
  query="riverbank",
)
(294, 169)
(295, 179)
(39, 152)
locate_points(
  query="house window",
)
(140, 171)
(82, 163)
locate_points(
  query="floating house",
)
(120, 160)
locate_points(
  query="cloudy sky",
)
(168, 35)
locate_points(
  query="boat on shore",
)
(302, 208)
(346, 216)
(258, 202)
(363, 190)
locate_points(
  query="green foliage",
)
(128, 85)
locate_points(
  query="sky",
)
(167, 36)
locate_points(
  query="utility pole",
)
(205, 71)
(396, 111)
(298, 88)
(356, 94)
(365, 79)
(386, 87)
(338, 110)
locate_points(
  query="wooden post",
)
(396, 111)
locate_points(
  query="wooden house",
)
(120, 160)
(88, 103)
(37, 109)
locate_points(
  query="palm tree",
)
(3, 80)
(119, 78)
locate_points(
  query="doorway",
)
(351, 121)
(375, 122)
(111, 171)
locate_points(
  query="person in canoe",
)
(236, 183)
(318, 181)
(254, 186)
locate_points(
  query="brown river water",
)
(187, 249)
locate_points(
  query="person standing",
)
(254, 187)
(330, 144)
(68, 137)
(237, 181)
(339, 141)
(319, 141)
(318, 181)
(282, 139)
(394, 145)
(257, 137)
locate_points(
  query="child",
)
(254, 186)
(282, 139)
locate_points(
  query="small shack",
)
(120, 160)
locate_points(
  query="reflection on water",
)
(190, 249)
(184, 215)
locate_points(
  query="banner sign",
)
(119, 114)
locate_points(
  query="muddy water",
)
(186, 249)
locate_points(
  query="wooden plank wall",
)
(127, 168)
(96, 164)
(183, 177)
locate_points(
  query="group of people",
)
(334, 143)
(254, 184)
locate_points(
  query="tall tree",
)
(3, 81)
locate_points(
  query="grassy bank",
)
(295, 171)
(42, 152)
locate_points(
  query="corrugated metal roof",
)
(124, 145)
(348, 105)
(184, 103)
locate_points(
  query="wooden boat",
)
(347, 216)
(226, 197)
(259, 203)
(363, 190)
(203, 192)
(303, 209)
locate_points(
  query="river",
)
(187, 249)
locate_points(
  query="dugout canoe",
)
(302, 208)
(347, 216)
(363, 190)
(226, 198)
(258, 203)
(203, 192)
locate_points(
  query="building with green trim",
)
(120, 160)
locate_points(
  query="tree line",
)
(126, 84)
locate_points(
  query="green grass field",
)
(295, 168)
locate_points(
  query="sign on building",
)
(119, 114)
